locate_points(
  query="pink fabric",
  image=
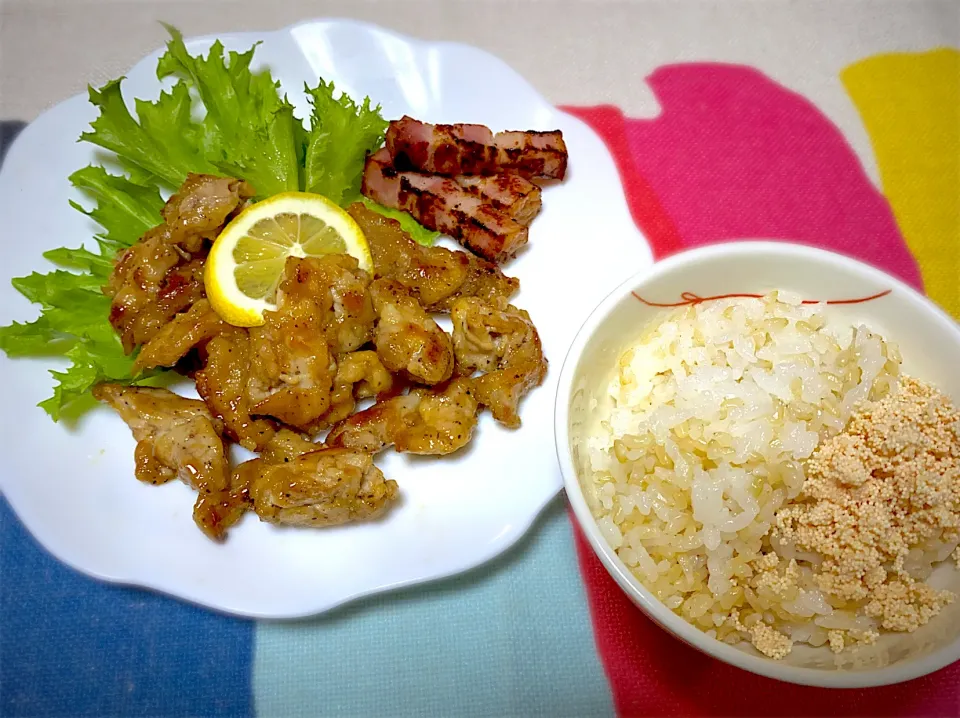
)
(646, 209)
(732, 155)
(735, 155)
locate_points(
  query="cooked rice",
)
(714, 411)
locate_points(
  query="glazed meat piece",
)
(499, 339)
(139, 285)
(220, 510)
(407, 338)
(360, 375)
(285, 445)
(179, 438)
(365, 373)
(516, 197)
(335, 288)
(292, 367)
(179, 336)
(436, 276)
(291, 371)
(176, 437)
(201, 207)
(216, 512)
(182, 287)
(327, 487)
(474, 150)
(441, 204)
(433, 421)
(222, 382)
(162, 274)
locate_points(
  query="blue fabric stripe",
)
(71, 646)
(512, 638)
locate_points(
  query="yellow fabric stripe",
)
(910, 105)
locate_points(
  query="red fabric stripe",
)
(650, 672)
(648, 214)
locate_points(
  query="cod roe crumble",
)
(880, 505)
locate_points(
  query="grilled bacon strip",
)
(474, 150)
(441, 204)
(513, 195)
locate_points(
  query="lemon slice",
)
(246, 261)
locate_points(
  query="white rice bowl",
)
(930, 342)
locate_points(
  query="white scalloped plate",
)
(74, 488)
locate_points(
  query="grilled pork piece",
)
(513, 195)
(474, 150)
(443, 205)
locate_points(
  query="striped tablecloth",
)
(542, 630)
